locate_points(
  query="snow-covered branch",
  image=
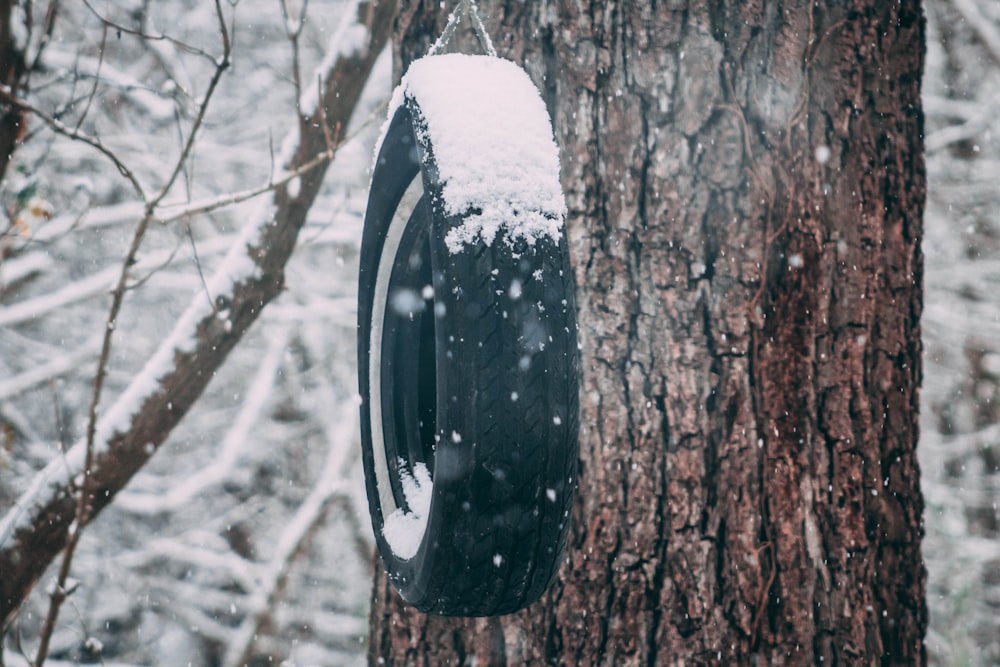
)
(57, 126)
(983, 27)
(232, 446)
(96, 283)
(60, 365)
(166, 214)
(329, 485)
(128, 433)
(970, 129)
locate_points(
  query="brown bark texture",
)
(12, 71)
(36, 543)
(745, 184)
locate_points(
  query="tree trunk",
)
(12, 70)
(745, 184)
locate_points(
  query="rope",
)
(469, 8)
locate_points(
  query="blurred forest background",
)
(247, 535)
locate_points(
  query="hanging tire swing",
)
(467, 347)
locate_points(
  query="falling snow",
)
(205, 522)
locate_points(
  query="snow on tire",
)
(467, 351)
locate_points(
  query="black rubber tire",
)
(476, 379)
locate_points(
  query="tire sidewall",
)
(467, 504)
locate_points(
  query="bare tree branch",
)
(232, 445)
(147, 36)
(330, 484)
(84, 499)
(95, 283)
(40, 374)
(97, 79)
(293, 28)
(129, 433)
(935, 105)
(221, 65)
(215, 203)
(51, 13)
(982, 26)
(58, 127)
(970, 129)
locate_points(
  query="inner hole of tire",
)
(411, 393)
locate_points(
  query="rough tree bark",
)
(12, 70)
(745, 184)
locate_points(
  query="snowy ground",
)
(211, 535)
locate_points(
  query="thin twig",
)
(43, 373)
(97, 79)
(83, 505)
(236, 440)
(117, 27)
(329, 484)
(50, 23)
(8, 96)
(215, 203)
(59, 593)
(966, 131)
(294, 31)
(201, 274)
(139, 282)
(331, 141)
(333, 144)
(49, 504)
(983, 27)
(221, 66)
(94, 283)
(165, 55)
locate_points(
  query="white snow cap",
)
(493, 144)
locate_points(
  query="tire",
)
(468, 374)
